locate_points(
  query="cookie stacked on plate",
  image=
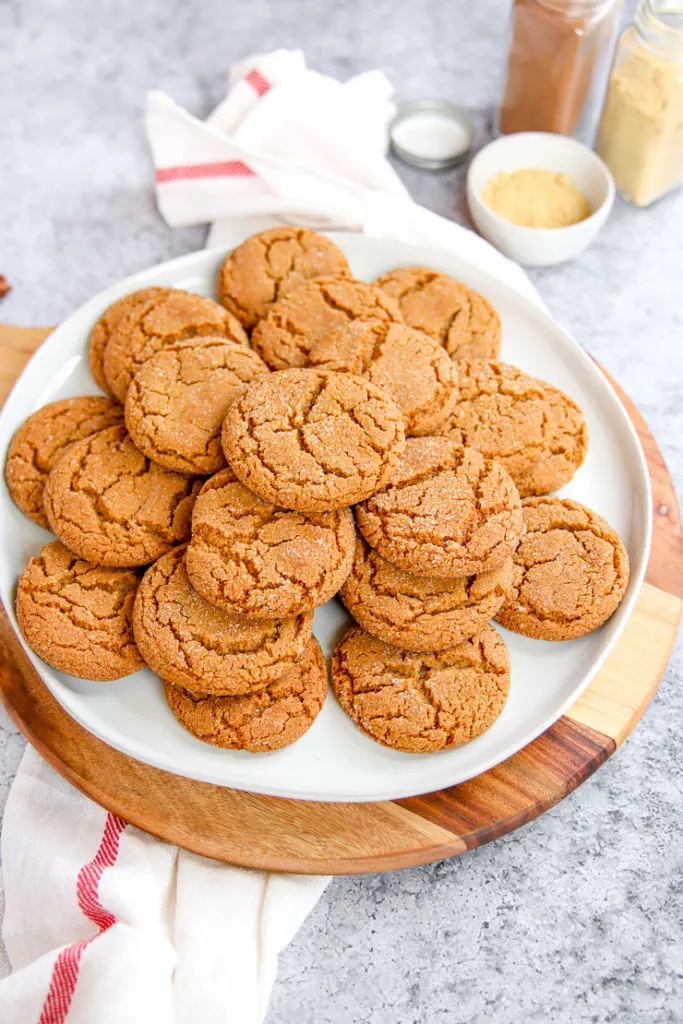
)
(210, 504)
(432, 567)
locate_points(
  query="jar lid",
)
(432, 134)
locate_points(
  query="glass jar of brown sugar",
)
(558, 62)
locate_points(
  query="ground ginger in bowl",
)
(536, 198)
(539, 197)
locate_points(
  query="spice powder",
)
(536, 198)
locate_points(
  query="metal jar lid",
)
(432, 134)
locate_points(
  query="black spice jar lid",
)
(431, 134)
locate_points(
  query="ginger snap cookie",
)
(107, 502)
(570, 572)
(253, 558)
(78, 616)
(177, 401)
(159, 321)
(42, 439)
(306, 315)
(313, 440)
(463, 321)
(268, 720)
(421, 613)
(447, 511)
(410, 366)
(190, 642)
(421, 702)
(108, 322)
(530, 427)
(272, 263)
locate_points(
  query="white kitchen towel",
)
(290, 145)
(105, 924)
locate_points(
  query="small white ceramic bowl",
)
(540, 247)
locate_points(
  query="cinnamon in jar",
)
(558, 62)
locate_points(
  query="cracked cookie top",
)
(530, 427)
(272, 263)
(177, 401)
(422, 702)
(409, 365)
(108, 322)
(253, 558)
(306, 315)
(107, 502)
(268, 720)
(447, 511)
(159, 321)
(421, 613)
(43, 438)
(77, 616)
(313, 440)
(463, 321)
(570, 572)
(190, 642)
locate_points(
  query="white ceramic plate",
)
(334, 760)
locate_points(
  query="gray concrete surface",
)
(577, 917)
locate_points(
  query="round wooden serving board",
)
(322, 838)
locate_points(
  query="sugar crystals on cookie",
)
(269, 265)
(313, 440)
(571, 571)
(460, 318)
(447, 511)
(421, 702)
(253, 558)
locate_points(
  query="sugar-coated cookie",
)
(78, 616)
(42, 439)
(306, 315)
(421, 613)
(272, 263)
(190, 642)
(570, 572)
(421, 702)
(108, 322)
(533, 429)
(177, 401)
(414, 369)
(463, 321)
(447, 511)
(162, 320)
(268, 720)
(253, 558)
(107, 502)
(313, 440)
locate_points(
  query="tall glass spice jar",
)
(558, 62)
(641, 129)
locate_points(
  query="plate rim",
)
(423, 255)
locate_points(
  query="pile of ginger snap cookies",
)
(310, 435)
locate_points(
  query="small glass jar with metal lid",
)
(641, 129)
(431, 134)
(558, 62)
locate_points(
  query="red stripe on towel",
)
(65, 970)
(194, 172)
(258, 83)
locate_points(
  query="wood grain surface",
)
(320, 838)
